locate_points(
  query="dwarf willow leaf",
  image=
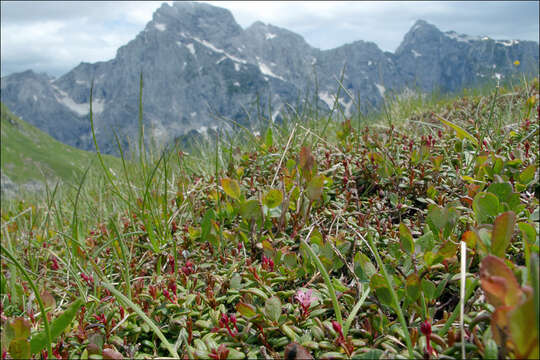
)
(231, 187)
(39, 341)
(503, 227)
(272, 198)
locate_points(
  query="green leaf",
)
(413, 287)
(268, 138)
(39, 341)
(447, 249)
(256, 291)
(206, 224)
(429, 289)
(236, 281)
(523, 330)
(6, 335)
(485, 205)
(21, 328)
(491, 350)
(316, 238)
(438, 217)
(246, 310)
(231, 187)
(426, 242)
(527, 175)
(290, 164)
(272, 308)
(503, 227)
(273, 198)
(406, 239)
(363, 267)
(502, 190)
(250, 209)
(528, 231)
(19, 348)
(233, 355)
(290, 260)
(338, 285)
(431, 258)
(378, 284)
(372, 354)
(315, 187)
(498, 165)
(461, 133)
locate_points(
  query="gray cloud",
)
(55, 36)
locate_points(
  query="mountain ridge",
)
(198, 63)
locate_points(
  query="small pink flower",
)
(305, 298)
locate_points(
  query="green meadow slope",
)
(30, 155)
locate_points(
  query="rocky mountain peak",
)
(202, 20)
(421, 33)
(270, 32)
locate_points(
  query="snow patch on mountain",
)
(160, 27)
(266, 71)
(80, 109)
(220, 51)
(462, 37)
(381, 89)
(191, 48)
(507, 42)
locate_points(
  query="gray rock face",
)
(197, 62)
(449, 61)
(12, 190)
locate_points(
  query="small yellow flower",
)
(516, 63)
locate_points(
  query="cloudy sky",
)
(55, 36)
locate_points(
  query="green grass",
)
(362, 218)
(30, 154)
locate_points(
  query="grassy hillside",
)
(28, 154)
(411, 234)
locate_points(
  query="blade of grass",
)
(394, 296)
(354, 311)
(143, 316)
(324, 274)
(462, 295)
(459, 130)
(74, 218)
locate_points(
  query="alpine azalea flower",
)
(305, 298)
